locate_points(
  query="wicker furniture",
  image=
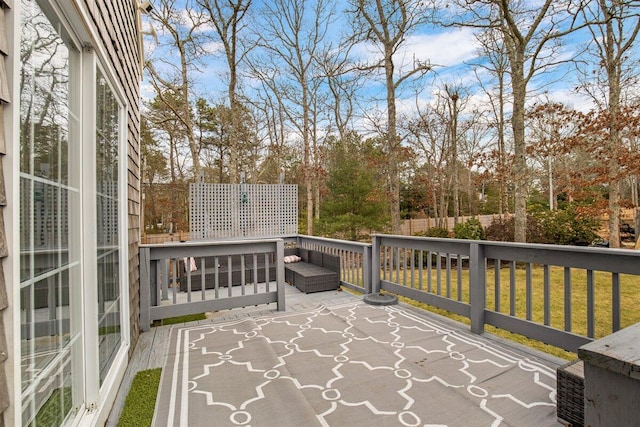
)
(570, 397)
(316, 272)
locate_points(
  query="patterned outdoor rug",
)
(348, 365)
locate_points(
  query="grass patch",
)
(141, 400)
(180, 319)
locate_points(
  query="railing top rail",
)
(459, 246)
(337, 242)
(565, 248)
(211, 248)
(589, 258)
(216, 242)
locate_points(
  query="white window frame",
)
(97, 399)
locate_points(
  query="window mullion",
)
(90, 275)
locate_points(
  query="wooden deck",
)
(153, 346)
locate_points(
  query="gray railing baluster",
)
(547, 295)
(512, 289)
(266, 270)
(165, 279)
(448, 275)
(412, 262)
(529, 291)
(420, 265)
(496, 290)
(255, 273)
(429, 269)
(397, 265)
(175, 281)
(187, 269)
(459, 273)
(243, 276)
(591, 301)
(203, 285)
(229, 276)
(438, 274)
(216, 277)
(404, 267)
(567, 299)
(615, 302)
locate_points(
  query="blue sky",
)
(449, 50)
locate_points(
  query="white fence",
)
(218, 211)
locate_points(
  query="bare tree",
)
(227, 19)
(497, 64)
(531, 33)
(290, 38)
(614, 28)
(452, 103)
(429, 136)
(173, 81)
(343, 85)
(387, 24)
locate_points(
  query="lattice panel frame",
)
(218, 211)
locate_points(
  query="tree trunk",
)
(392, 142)
(519, 146)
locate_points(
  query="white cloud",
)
(213, 48)
(445, 49)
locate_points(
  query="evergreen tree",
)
(356, 202)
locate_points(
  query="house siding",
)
(116, 25)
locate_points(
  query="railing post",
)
(375, 265)
(366, 269)
(280, 274)
(145, 289)
(164, 268)
(477, 286)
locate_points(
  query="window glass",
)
(49, 266)
(107, 139)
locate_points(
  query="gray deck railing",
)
(255, 267)
(355, 259)
(561, 295)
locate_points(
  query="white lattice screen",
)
(242, 210)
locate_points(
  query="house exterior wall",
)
(114, 28)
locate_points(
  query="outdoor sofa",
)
(316, 271)
(313, 271)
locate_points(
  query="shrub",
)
(568, 227)
(502, 229)
(437, 232)
(470, 230)
(560, 227)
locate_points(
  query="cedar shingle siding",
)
(4, 98)
(116, 24)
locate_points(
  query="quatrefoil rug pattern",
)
(349, 365)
